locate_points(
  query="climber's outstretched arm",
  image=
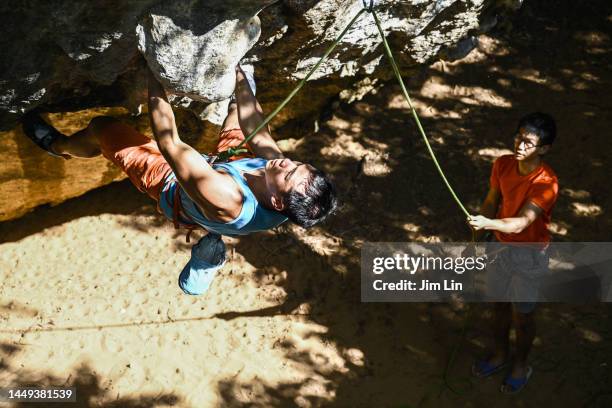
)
(250, 115)
(200, 181)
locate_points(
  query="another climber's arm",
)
(200, 181)
(250, 115)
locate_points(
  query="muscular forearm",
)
(512, 225)
(250, 115)
(160, 115)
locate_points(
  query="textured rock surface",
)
(193, 49)
(63, 56)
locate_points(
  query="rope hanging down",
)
(369, 8)
(414, 113)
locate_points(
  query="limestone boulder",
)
(78, 59)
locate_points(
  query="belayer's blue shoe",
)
(483, 369)
(514, 385)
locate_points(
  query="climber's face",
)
(283, 176)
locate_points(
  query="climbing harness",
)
(178, 214)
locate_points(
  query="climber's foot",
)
(41, 133)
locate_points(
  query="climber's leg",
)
(84, 143)
(137, 155)
(47, 137)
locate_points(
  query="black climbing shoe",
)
(40, 132)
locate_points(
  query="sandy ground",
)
(88, 293)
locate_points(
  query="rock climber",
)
(255, 191)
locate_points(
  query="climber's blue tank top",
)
(252, 218)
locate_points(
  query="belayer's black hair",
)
(542, 124)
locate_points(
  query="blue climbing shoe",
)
(40, 132)
(514, 385)
(483, 369)
(207, 257)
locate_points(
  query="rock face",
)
(62, 56)
(193, 47)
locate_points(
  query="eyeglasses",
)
(527, 143)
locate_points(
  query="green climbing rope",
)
(414, 113)
(446, 377)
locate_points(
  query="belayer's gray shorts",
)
(515, 274)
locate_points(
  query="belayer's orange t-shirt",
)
(540, 187)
